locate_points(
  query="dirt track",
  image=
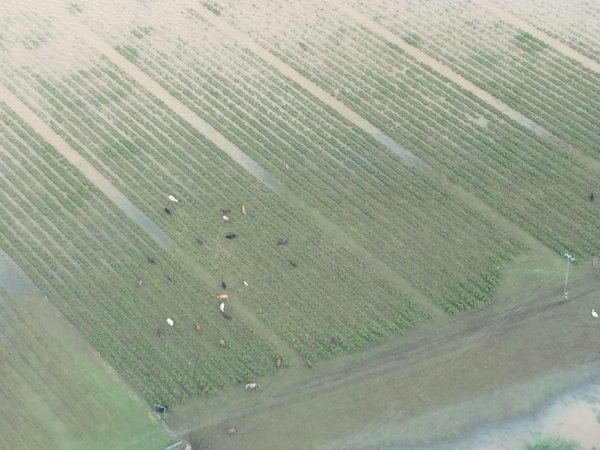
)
(530, 330)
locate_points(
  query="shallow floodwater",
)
(573, 415)
(12, 277)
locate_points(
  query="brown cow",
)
(197, 327)
(243, 210)
(278, 362)
(222, 297)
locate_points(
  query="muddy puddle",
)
(574, 414)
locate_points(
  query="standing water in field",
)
(13, 279)
(573, 415)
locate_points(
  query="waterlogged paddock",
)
(419, 296)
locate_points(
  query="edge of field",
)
(128, 422)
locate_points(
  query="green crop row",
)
(129, 163)
(109, 291)
(253, 140)
(487, 160)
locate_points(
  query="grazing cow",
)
(197, 327)
(293, 263)
(151, 260)
(223, 285)
(251, 386)
(222, 307)
(287, 167)
(226, 219)
(592, 197)
(227, 316)
(222, 342)
(245, 284)
(170, 322)
(231, 236)
(278, 362)
(170, 278)
(140, 284)
(243, 210)
(168, 211)
(222, 297)
(225, 211)
(308, 363)
(281, 242)
(173, 199)
(200, 241)
(231, 432)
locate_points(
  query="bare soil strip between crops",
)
(133, 212)
(586, 62)
(315, 90)
(249, 164)
(359, 121)
(443, 69)
(84, 166)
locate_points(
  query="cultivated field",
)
(407, 153)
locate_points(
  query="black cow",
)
(227, 316)
(231, 236)
(200, 241)
(281, 242)
(224, 285)
(293, 263)
(151, 260)
(225, 211)
(168, 211)
(592, 197)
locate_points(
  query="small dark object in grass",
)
(200, 241)
(293, 263)
(223, 285)
(227, 316)
(225, 211)
(151, 260)
(231, 236)
(161, 408)
(168, 211)
(592, 197)
(281, 242)
(170, 278)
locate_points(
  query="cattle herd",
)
(200, 240)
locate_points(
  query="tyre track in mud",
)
(416, 352)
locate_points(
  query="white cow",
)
(170, 322)
(251, 386)
(222, 307)
(173, 199)
(226, 219)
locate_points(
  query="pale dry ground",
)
(574, 22)
(464, 28)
